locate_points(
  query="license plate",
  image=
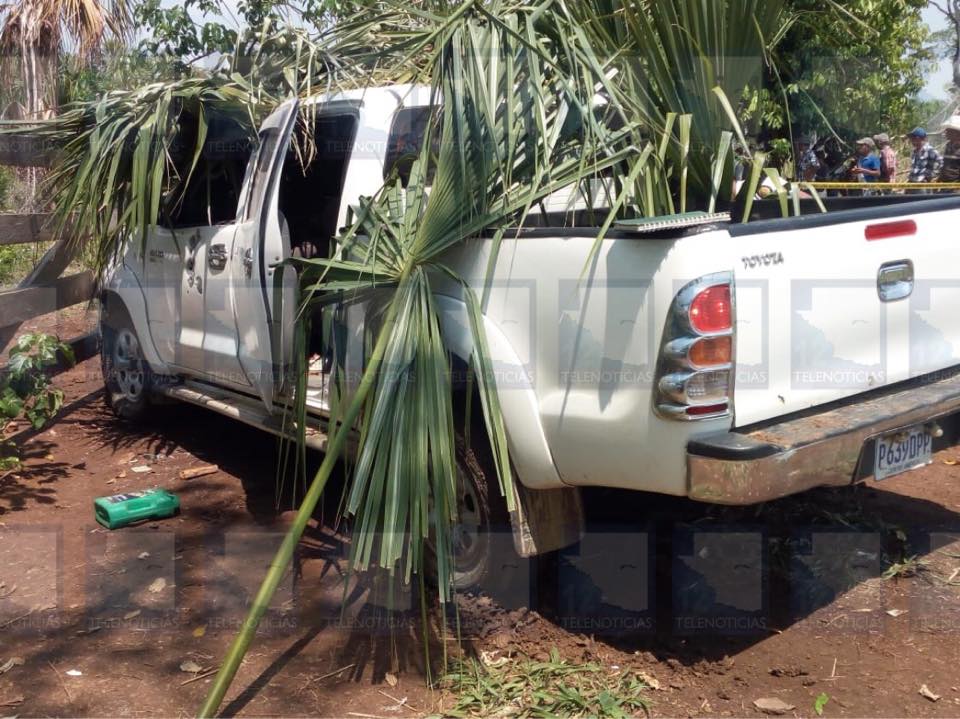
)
(902, 451)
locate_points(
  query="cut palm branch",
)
(679, 57)
(514, 130)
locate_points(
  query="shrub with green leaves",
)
(26, 390)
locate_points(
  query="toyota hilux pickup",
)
(728, 362)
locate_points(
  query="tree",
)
(33, 37)
(949, 38)
(199, 29)
(854, 69)
(35, 33)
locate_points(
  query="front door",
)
(207, 333)
(260, 299)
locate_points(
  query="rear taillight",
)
(710, 310)
(695, 368)
(711, 352)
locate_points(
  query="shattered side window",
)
(213, 192)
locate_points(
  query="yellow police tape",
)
(882, 185)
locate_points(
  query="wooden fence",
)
(44, 289)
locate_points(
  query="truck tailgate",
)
(831, 305)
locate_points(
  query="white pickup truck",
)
(730, 363)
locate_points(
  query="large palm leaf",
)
(515, 128)
(676, 58)
(124, 159)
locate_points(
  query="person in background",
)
(888, 158)
(925, 163)
(867, 168)
(809, 163)
(950, 171)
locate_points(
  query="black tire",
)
(127, 378)
(483, 528)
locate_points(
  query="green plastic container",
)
(123, 509)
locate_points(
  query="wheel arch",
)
(549, 513)
(123, 289)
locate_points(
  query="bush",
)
(7, 177)
(16, 193)
(26, 390)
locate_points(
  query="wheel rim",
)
(128, 365)
(467, 540)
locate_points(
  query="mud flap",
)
(546, 519)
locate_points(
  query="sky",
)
(943, 75)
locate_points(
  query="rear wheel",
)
(481, 534)
(482, 515)
(126, 375)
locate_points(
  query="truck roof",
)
(407, 95)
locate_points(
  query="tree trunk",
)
(29, 67)
(39, 88)
(956, 53)
(952, 11)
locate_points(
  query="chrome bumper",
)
(813, 450)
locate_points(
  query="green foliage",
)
(781, 153)
(115, 176)
(17, 260)
(126, 156)
(523, 687)
(516, 128)
(7, 179)
(176, 32)
(820, 703)
(196, 29)
(118, 68)
(15, 191)
(854, 67)
(26, 390)
(522, 119)
(905, 567)
(673, 57)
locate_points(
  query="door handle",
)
(895, 280)
(248, 262)
(217, 257)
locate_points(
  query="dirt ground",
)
(854, 594)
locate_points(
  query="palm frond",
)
(513, 131)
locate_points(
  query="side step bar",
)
(245, 409)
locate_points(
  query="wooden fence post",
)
(43, 290)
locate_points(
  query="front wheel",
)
(127, 378)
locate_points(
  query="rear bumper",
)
(813, 450)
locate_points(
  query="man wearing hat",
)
(925, 162)
(888, 158)
(950, 172)
(867, 168)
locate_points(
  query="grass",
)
(905, 568)
(16, 192)
(17, 260)
(525, 687)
